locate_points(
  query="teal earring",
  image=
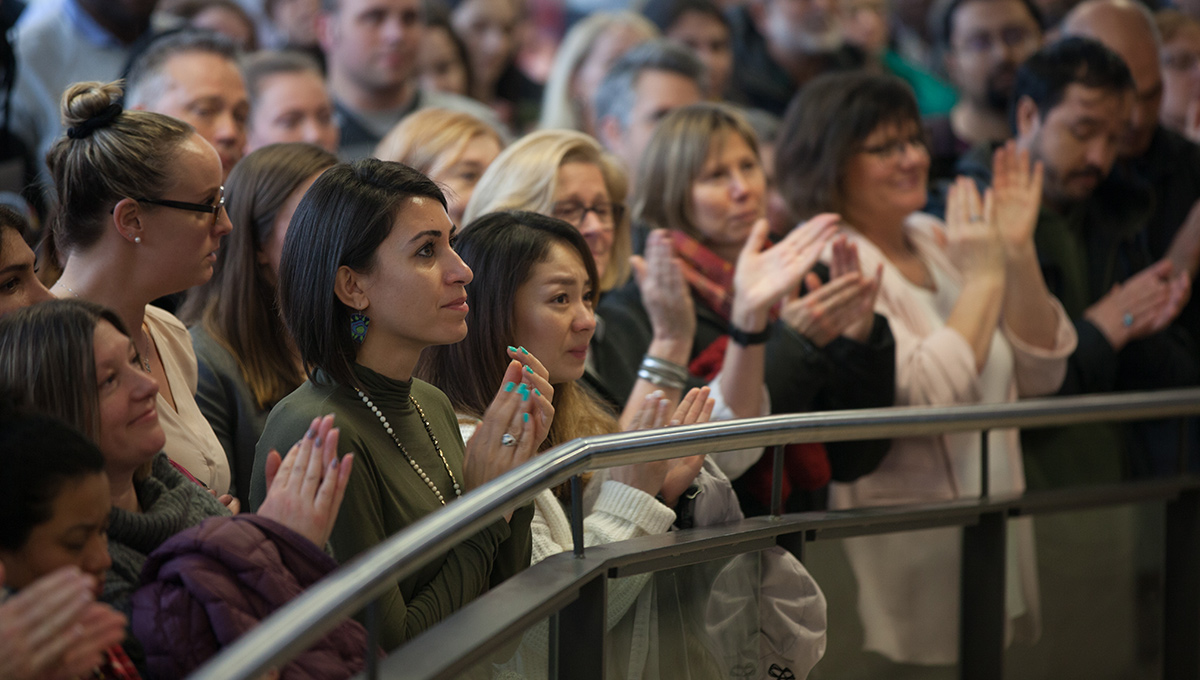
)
(358, 326)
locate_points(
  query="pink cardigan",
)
(908, 583)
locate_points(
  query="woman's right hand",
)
(974, 242)
(670, 477)
(305, 490)
(519, 411)
(843, 306)
(763, 277)
(665, 293)
(54, 629)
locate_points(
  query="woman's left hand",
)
(537, 379)
(695, 407)
(305, 490)
(1017, 194)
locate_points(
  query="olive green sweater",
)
(385, 494)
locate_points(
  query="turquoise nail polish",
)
(511, 348)
(523, 389)
(509, 386)
(525, 395)
(537, 392)
(524, 351)
(526, 416)
(529, 370)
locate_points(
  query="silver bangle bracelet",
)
(660, 380)
(664, 367)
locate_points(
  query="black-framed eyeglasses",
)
(895, 148)
(214, 208)
(609, 214)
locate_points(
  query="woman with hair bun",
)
(140, 216)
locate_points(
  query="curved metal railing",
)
(349, 589)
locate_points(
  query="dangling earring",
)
(358, 326)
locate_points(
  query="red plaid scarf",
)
(806, 466)
(116, 666)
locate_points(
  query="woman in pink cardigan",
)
(973, 322)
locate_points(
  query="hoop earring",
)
(358, 326)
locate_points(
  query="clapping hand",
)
(54, 629)
(1143, 305)
(305, 489)
(514, 425)
(665, 293)
(845, 306)
(671, 477)
(763, 277)
(973, 239)
(1017, 194)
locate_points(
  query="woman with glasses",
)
(140, 216)
(973, 322)
(568, 175)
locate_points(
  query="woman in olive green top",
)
(369, 278)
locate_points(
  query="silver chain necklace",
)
(411, 461)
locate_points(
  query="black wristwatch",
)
(745, 339)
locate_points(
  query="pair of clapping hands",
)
(765, 277)
(987, 234)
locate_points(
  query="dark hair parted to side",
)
(39, 454)
(1045, 76)
(48, 361)
(237, 306)
(502, 248)
(825, 125)
(340, 222)
(129, 155)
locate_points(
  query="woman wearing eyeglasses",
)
(140, 216)
(568, 175)
(974, 324)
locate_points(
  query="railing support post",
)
(981, 612)
(577, 635)
(777, 482)
(577, 514)
(372, 617)
(1181, 597)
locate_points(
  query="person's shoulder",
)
(160, 319)
(431, 398)
(209, 350)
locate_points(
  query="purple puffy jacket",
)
(206, 586)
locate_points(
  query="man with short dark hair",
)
(194, 76)
(983, 42)
(1163, 160)
(647, 83)
(371, 52)
(1072, 108)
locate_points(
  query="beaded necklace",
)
(411, 461)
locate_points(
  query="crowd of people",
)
(414, 245)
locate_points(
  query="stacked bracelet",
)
(663, 373)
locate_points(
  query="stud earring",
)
(137, 239)
(358, 326)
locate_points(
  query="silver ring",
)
(976, 218)
(508, 440)
(1127, 319)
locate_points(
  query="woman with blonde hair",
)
(452, 148)
(588, 49)
(141, 216)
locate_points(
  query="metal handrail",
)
(297, 625)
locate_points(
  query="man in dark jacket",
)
(1073, 102)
